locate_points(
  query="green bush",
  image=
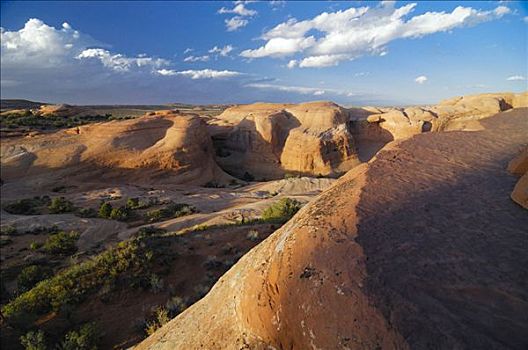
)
(8, 230)
(61, 243)
(86, 338)
(161, 317)
(282, 210)
(30, 276)
(71, 286)
(60, 205)
(33, 340)
(133, 203)
(105, 210)
(173, 210)
(248, 177)
(121, 214)
(27, 206)
(150, 231)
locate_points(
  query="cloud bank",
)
(333, 37)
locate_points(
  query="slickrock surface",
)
(519, 166)
(268, 140)
(421, 248)
(169, 147)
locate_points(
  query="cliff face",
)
(420, 246)
(176, 148)
(269, 140)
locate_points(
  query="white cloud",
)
(187, 50)
(348, 34)
(239, 9)
(203, 58)
(292, 64)
(120, 63)
(234, 23)
(222, 51)
(421, 79)
(277, 47)
(525, 19)
(516, 77)
(299, 89)
(322, 60)
(40, 45)
(200, 74)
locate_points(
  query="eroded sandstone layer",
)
(420, 248)
(269, 140)
(165, 146)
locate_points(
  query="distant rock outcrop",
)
(165, 146)
(459, 113)
(390, 257)
(269, 140)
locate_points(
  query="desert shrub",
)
(133, 203)
(30, 276)
(253, 235)
(58, 189)
(291, 176)
(161, 317)
(121, 214)
(172, 210)
(72, 285)
(33, 340)
(175, 305)
(8, 230)
(87, 213)
(105, 210)
(61, 243)
(281, 210)
(156, 283)
(86, 338)
(60, 205)
(35, 245)
(27, 206)
(150, 231)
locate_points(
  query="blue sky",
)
(351, 52)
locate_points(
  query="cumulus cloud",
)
(292, 64)
(187, 50)
(421, 79)
(40, 45)
(333, 37)
(239, 9)
(200, 74)
(222, 51)
(319, 92)
(121, 63)
(203, 58)
(516, 77)
(234, 23)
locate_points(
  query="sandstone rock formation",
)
(519, 166)
(459, 113)
(165, 146)
(61, 110)
(419, 248)
(269, 140)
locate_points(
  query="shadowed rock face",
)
(420, 248)
(269, 140)
(171, 147)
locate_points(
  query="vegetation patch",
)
(28, 206)
(172, 210)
